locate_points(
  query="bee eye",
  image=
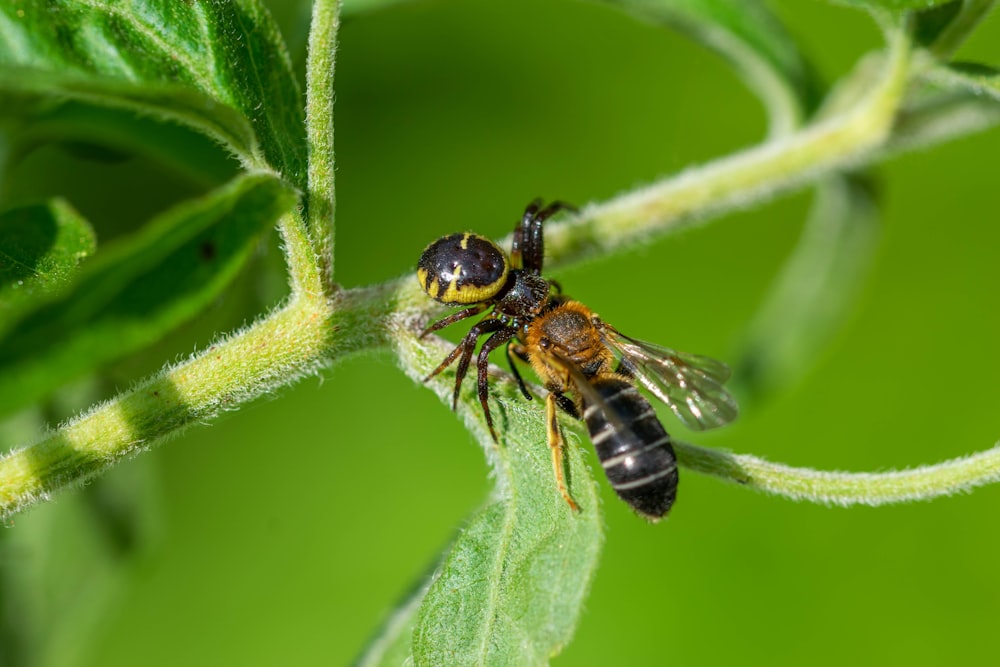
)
(462, 269)
(544, 343)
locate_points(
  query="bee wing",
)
(689, 383)
(591, 397)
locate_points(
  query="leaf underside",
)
(216, 66)
(41, 247)
(131, 295)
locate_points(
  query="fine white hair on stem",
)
(945, 478)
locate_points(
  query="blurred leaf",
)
(815, 291)
(943, 28)
(352, 7)
(892, 5)
(190, 61)
(512, 588)
(754, 41)
(394, 642)
(35, 94)
(63, 568)
(102, 132)
(136, 292)
(41, 247)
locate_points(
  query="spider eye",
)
(462, 269)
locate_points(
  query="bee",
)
(590, 369)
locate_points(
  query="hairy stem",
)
(757, 173)
(319, 129)
(244, 366)
(846, 488)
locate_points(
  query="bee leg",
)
(483, 367)
(558, 446)
(465, 348)
(454, 317)
(521, 353)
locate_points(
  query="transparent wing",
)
(591, 397)
(689, 383)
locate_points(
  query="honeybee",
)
(588, 367)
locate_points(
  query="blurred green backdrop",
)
(285, 533)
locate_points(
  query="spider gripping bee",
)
(589, 368)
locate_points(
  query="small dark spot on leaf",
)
(207, 251)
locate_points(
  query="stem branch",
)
(776, 166)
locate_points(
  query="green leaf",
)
(513, 585)
(943, 28)
(180, 60)
(394, 643)
(352, 7)
(34, 95)
(815, 291)
(63, 571)
(511, 590)
(133, 294)
(897, 6)
(747, 34)
(41, 247)
(94, 132)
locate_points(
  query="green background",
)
(286, 533)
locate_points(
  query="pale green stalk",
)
(319, 129)
(846, 488)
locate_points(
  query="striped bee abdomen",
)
(633, 447)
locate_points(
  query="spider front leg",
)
(465, 348)
(483, 365)
(528, 247)
(515, 349)
(455, 317)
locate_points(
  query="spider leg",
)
(552, 209)
(465, 348)
(483, 365)
(455, 317)
(521, 353)
(521, 236)
(468, 346)
(529, 243)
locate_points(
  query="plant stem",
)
(319, 129)
(776, 166)
(846, 488)
(246, 365)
